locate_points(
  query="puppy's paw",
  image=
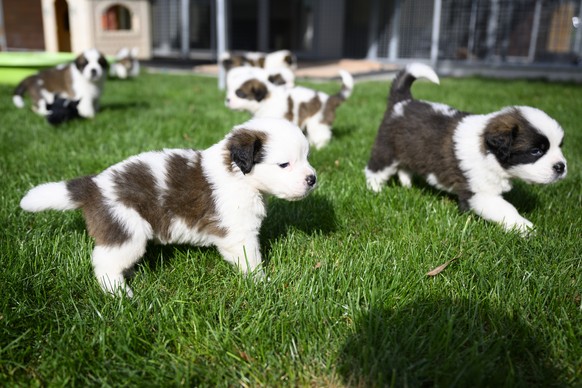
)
(523, 227)
(374, 184)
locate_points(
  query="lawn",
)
(348, 301)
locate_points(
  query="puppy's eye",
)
(536, 152)
(240, 94)
(283, 165)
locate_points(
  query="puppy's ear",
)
(246, 149)
(81, 62)
(500, 135)
(103, 62)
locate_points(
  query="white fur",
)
(238, 199)
(420, 70)
(53, 195)
(18, 101)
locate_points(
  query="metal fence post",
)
(221, 40)
(535, 29)
(436, 32)
(185, 28)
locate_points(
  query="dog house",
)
(108, 25)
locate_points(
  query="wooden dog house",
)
(108, 25)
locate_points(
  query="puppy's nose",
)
(93, 73)
(559, 168)
(311, 180)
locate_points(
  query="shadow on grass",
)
(445, 342)
(521, 197)
(314, 214)
(115, 106)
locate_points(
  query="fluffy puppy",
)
(472, 156)
(274, 60)
(312, 111)
(81, 80)
(126, 64)
(210, 197)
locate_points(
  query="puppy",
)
(472, 156)
(312, 111)
(210, 197)
(126, 64)
(81, 80)
(276, 59)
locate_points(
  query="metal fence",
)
(520, 32)
(483, 31)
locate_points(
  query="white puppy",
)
(312, 111)
(210, 197)
(126, 64)
(473, 156)
(81, 80)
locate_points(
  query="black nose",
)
(310, 179)
(559, 168)
(93, 73)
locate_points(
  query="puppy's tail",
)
(50, 196)
(20, 90)
(400, 90)
(347, 85)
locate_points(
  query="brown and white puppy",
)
(81, 80)
(472, 156)
(126, 64)
(276, 59)
(312, 111)
(210, 197)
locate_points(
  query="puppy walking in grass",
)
(311, 110)
(210, 197)
(472, 156)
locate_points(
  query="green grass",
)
(348, 301)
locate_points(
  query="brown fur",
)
(255, 89)
(308, 109)
(245, 149)
(100, 224)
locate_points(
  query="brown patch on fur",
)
(511, 137)
(53, 80)
(329, 109)
(136, 188)
(289, 113)
(101, 225)
(308, 109)
(189, 196)
(254, 89)
(277, 79)
(421, 141)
